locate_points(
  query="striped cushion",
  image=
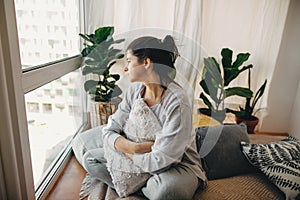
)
(279, 161)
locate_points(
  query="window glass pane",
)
(54, 115)
(47, 30)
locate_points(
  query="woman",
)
(167, 149)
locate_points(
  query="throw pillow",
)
(142, 125)
(280, 162)
(220, 151)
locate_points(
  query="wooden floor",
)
(69, 184)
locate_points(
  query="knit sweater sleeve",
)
(171, 142)
(117, 121)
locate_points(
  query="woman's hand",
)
(144, 147)
(127, 146)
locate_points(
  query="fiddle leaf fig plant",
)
(216, 79)
(248, 111)
(99, 56)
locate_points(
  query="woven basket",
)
(100, 111)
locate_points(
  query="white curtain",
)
(201, 29)
(253, 26)
(136, 18)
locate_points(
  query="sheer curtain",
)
(254, 26)
(135, 18)
(201, 29)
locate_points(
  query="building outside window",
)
(47, 24)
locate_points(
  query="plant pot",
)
(251, 124)
(100, 111)
(217, 115)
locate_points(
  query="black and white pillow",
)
(279, 161)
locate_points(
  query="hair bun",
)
(169, 43)
(170, 46)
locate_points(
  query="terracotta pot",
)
(251, 124)
(218, 115)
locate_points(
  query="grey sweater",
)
(174, 143)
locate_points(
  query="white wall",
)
(283, 99)
(295, 116)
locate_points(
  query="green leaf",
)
(87, 37)
(119, 41)
(113, 52)
(120, 56)
(259, 93)
(213, 69)
(86, 70)
(102, 33)
(116, 92)
(91, 62)
(106, 72)
(86, 51)
(239, 91)
(231, 73)
(206, 101)
(93, 91)
(89, 84)
(98, 71)
(115, 76)
(226, 57)
(204, 86)
(210, 87)
(245, 68)
(241, 58)
(111, 64)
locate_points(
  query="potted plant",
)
(216, 79)
(99, 56)
(247, 113)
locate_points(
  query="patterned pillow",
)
(279, 161)
(142, 125)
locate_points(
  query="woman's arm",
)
(115, 124)
(126, 146)
(171, 143)
(112, 132)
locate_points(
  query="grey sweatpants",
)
(175, 183)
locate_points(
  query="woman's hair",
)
(162, 53)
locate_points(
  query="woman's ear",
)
(147, 63)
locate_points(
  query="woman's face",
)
(135, 69)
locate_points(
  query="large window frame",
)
(16, 176)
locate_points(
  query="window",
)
(50, 27)
(60, 106)
(59, 92)
(47, 108)
(33, 107)
(36, 145)
(41, 23)
(47, 135)
(72, 92)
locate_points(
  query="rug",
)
(94, 189)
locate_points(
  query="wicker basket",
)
(100, 111)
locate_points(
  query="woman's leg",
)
(88, 149)
(95, 164)
(176, 183)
